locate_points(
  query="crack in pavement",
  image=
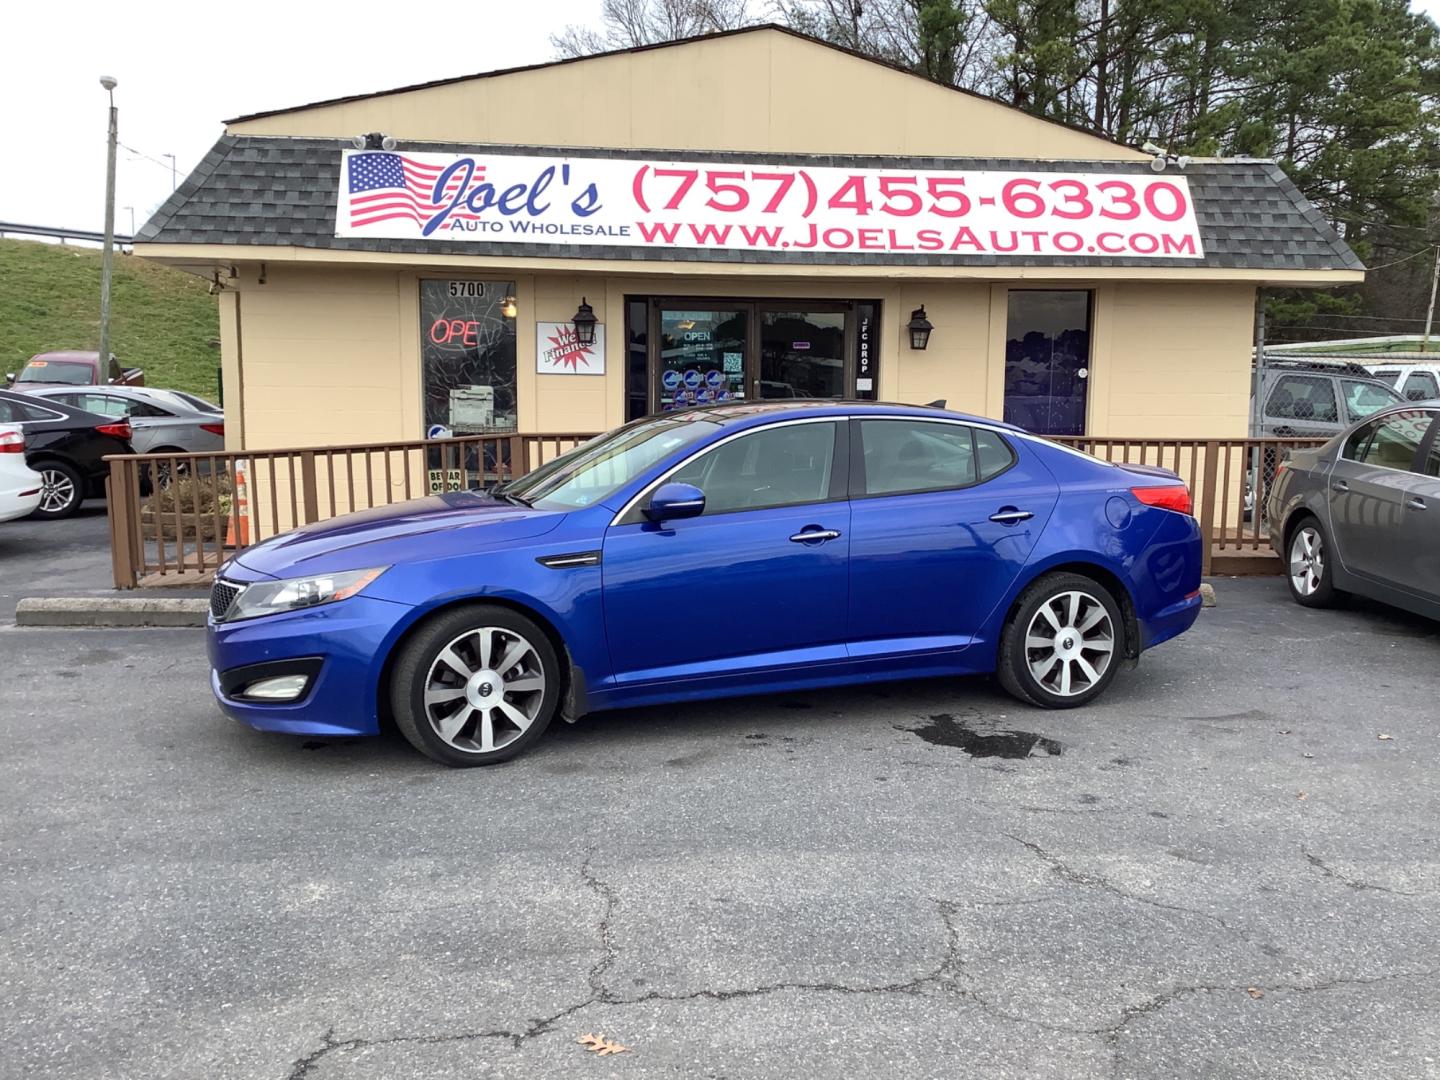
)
(948, 975)
(1072, 876)
(1354, 883)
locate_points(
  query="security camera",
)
(1151, 148)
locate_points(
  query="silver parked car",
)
(1361, 514)
(164, 421)
(1303, 399)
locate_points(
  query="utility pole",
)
(1430, 314)
(107, 261)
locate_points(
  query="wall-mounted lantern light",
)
(509, 308)
(919, 327)
(585, 321)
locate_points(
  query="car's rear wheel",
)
(1063, 642)
(1306, 564)
(475, 685)
(61, 490)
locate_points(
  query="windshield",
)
(1364, 398)
(595, 469)
(71, 372)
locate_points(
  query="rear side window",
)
(103, 404)
(1420, 386)
(15, 412)
(911, 456)
(1303, 397)
(1387, 375)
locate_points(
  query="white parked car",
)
(19, 484)
(1416, 382)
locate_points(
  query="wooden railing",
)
(175, 517)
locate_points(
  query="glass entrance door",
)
(802, 354)
(702, 355)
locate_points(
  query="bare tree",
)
(625, 24)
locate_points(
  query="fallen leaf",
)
(1255, 992)
(598, 1044)
(1307, 755)
(1286, 731)
(1302, 795)
(1386, 738)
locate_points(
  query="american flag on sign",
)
(385, 186)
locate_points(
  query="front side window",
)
(1431, 466)
(467, 356)
(786, 465)
(1364, 398)
(1395, 440)
(1420, 386)
(1303, 397)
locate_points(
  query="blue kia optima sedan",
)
(732, 549)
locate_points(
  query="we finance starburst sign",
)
(557, 352)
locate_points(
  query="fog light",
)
(279, 688)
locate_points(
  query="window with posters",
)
(467, 355)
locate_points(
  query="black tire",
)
(419, 667)
(1322, 593)
(1068, 651)
(62, 490)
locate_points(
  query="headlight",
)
(292, 594)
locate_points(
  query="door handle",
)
(813, 534)
(1011, 516)
(1416, 503)
(1339, 485)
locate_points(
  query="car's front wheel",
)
(1307, 569)
(1063, 643)
(475, 685)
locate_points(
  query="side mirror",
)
(674, 501)
(9, 378)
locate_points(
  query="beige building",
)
(751, 214)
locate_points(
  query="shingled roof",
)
(282, 191)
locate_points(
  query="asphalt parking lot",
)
(1229, 867)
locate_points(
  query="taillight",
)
(121, 429)
(213, 429)
(1170, 497)
(12, 442)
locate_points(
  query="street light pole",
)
(174, 172)
(107, 261)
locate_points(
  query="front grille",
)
(222, 595)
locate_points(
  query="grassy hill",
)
(162, 320)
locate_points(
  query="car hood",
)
(460, 520)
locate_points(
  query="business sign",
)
(557, 352)
(635, 203)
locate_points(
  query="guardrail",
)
(175, 517)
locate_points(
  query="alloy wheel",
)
(1307, 560)
(1069, 643)
(484, 689)
(57, 491)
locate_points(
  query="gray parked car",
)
(163, 420)
(1361, 514)
(1304, 399)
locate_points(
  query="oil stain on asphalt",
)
(945, 730)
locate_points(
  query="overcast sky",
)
(184, 67)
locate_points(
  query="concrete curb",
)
(109, 611)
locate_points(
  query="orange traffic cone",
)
(237, 529)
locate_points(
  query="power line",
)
(155, 161)
(1407, 258)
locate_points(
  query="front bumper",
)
(351, 638)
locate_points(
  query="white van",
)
(1416, 382)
